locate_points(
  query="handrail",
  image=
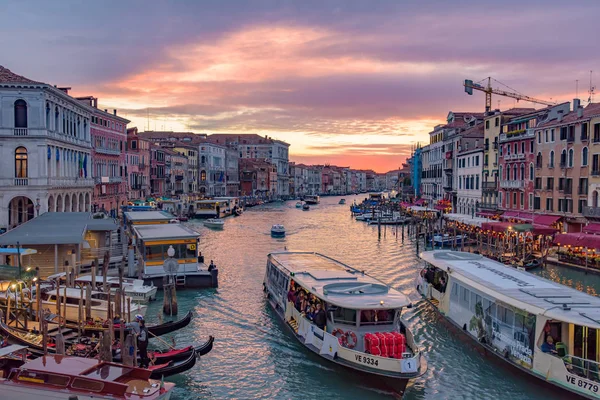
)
(583, 367)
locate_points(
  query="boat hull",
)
(371, 378)
(10, 390)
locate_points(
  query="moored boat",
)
(215, 223)
(305, 207)
(354, 320)
(447, 240)
(342, 201)
(134, 288)
(172, 367)
(299, 204)
(278, 230)
(67, 377)
(542, 328)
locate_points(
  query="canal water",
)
(255, 357)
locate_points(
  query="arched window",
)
(203, 174)
(595, 199)
(20, 114)
(203, 159)
(538, 160)
(563, 158)
(584, 157)
(522, 172)
(551, 164)
(21, 162)
(47, 115)
(531, 171)
(571, 152)
(515, 177)
(500, 172)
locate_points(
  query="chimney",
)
(105, 110)
(576, 104)
(579, 112)
(115, 111)
(95, 102)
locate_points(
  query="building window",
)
(552, 135)
(549, 204)
(515, 199)
(531, 201)
(581, 204)
(551, 163)
(563, 159)
(539, 136)
(522, 147)
(546, 136)
(20, 114)
(531, 171)
(487, 124)
(497, 121)
(571, 157)
(21, 162)
(522, 172)
(531, 147)
(477, 182)
(584, 157)
(522, 200)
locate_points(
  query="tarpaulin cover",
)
(592, 228)
(546, 219)
(568, 239)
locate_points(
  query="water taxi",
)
(305, 207)
(345, 316)
(447, 240)
(311, 199)
(342, 201)
(66, 377)
(134, 288)
(278, 230)
(544, 329)
(215, 223)
(299, 204)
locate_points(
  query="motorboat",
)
(215, 223)
(312, 199)
(342, 201)
(389, 221)
(69, 377)
(70, 298)
(305, 207)
(299, 204)
(447, 240)
(360, 325)
(134, 288)
(541, 328)
(278, 230)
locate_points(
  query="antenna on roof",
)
(591, 91)
(576, 88)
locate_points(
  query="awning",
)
(14, 250)
(510, 214)
(486, 214)
(592, 228)
(567, 239)
(589, 241)
(526, 216)
(419, 202)
(548, 219)
(496, 226)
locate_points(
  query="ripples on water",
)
(255, 357)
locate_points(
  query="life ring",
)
(351, 343)
(342, 338)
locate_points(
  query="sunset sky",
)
(346, 83)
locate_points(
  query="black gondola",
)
(31, 340)
(173, 367)
(170, 326)
(165, 356)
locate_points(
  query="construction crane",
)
(488, 90)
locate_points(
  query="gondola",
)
(31, 340)
(155, 330)
(166, 356)
(160, 371)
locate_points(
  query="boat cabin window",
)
(435, 277)
(159, 252)
(377, 317)
(43, 378)
(345, 316)
(87, 384)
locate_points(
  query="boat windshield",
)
(377, 317)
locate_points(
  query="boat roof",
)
(88, 367)
(99, 279)
(13, 348)
(141, 216)
(517, 288)
(164, 231)
(338, 283)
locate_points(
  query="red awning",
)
(526, 216)
(589, 241)
(419, 202)
(592, 228)
(543, 229)
(568, 239)
(510, 214)
(548, 219)
(486, 214)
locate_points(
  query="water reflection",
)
(255, 356)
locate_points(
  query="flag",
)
(80, 166)
(85, 166)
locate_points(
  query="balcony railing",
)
(489, 185)
(111, 152)
(21, 132)
(511, 184)
(570, 138)
(56, 182)
(518, 134)
(21, 182)
(591, 212)
(448, 188)
(595, 172)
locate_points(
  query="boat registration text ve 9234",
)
(366, 360)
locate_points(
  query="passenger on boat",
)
(299, 300)
(548, 346)
(310, 314)
(320, 318)
(442, 285)
(143, 344)
(367, 316)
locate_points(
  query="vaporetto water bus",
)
(544, 329)
(360, 326)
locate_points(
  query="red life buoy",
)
(351, 343)
(342, 338)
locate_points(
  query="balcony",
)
(489, 186)
(595, 172)
(21, 132)
(21, 182)
(516, 135)
(570, 138)
(178, 177)
(591, 212)
(511, 184)
(107, 179)
(53, 182)
(448, 188)
(110, 152)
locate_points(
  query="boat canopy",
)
(519, 289)
(12, 251)
(13, 348)
(337, 283)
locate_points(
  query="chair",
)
(561, 349)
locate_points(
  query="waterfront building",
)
(298, 179)
(254, 146)
(417, 168)
(562, 163)
(257, 178)
(191, 154)
(157, 171)
(469, 170)
(138, 165)
(314, 180)
(109, 139)
(46, 148)
(212, 169)
(176, 170)
(592, 211)
(425, 180)
(432, 167)
(232, 172)
(494, 121)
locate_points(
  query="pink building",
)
(137, 165)
(109, 138)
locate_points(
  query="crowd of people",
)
(308, 304)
